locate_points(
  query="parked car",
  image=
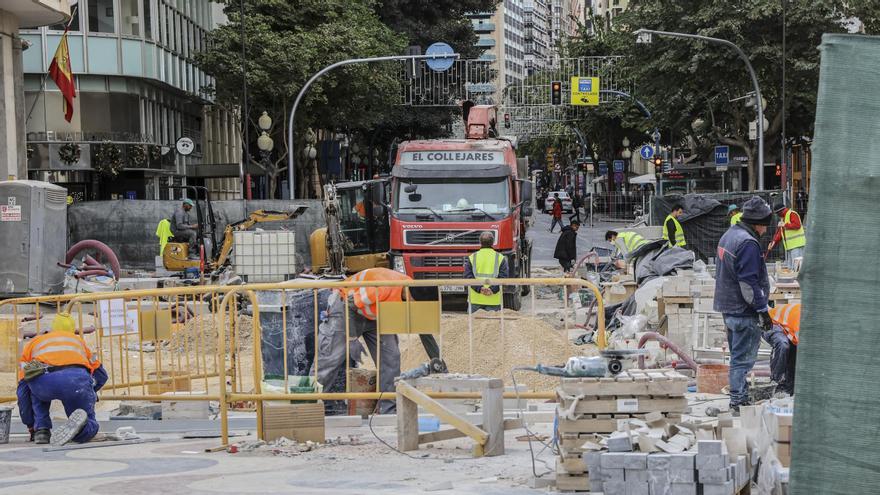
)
(563, 196)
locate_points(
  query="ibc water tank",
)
(33, 237)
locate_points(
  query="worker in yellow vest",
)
(483, 264)
(783, 340)
(790, 231)
(625, 242)
(734, 214)
(673, 233)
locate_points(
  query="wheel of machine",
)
(513, 300)
(615, 366)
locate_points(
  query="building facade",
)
(16, 15)
(537, 24)
(502, 41)
(138, 94)
(607, 10)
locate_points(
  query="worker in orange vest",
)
(59, 366)
(362, 311)
(783, 339)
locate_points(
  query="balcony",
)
(487, 57)
(485, 43)
(484, 27)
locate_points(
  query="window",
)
(101, 16)
(148, 20)
(74, 23)
(129, 20)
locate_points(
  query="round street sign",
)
(440, 64)
(646, 151)
(185, 146)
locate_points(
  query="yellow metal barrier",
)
(183, 322)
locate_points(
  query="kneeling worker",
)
(362, 310)
(59, 366)
(624, 243)
(783, 339)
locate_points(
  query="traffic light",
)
(507, 121)
(658, 165)
(556, 93)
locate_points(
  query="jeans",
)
(743, 338)
(555, 222)
(476, 307)
(791, 254)
(782, 359)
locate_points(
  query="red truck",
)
(446, 192)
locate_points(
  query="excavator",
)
(176, 256)
(357, 232)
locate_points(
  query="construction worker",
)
(791, 231)
(362, 310)
(734, 214)
(59, 366)
(783, 340)
(483, 264)
(672, 230)
(742, 289)
(182, 227)
(625, 242)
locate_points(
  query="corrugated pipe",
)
(669, 345)
(98, 246)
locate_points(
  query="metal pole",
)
(755, 86)
(290, 144)
(785, 172)
(244, 109)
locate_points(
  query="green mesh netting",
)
(837, 408)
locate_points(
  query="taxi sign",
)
(585, 91)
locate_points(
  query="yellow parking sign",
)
(585, 91)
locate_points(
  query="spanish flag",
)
(62, 74)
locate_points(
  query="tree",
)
(688, 85)
(285, 44)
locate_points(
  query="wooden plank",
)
(458, 382)
(567, 483)
(493, 420)
(407, 423)
(441, 412)
(602, 423)
(452, 433)
(629, 405)
(570, 464)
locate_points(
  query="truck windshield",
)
(454, 197)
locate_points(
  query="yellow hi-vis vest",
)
(793, 239)
(486, 263)
(736, 219)
(679, 232)
(628, 242)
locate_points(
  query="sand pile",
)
(200, 332)
(526, 341)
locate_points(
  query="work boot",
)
(31, 432)
(42, 436)
(71, 428)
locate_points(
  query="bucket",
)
(712, 378)
(5, 422)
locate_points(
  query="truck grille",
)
(444, 237)
(441, 261)
(436, 275)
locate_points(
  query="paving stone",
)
(614, 487)
(712, 462)
(684, 460)
(612, 460)
(659, 488)
(682, 475)
(612, 474)
(719, 489)
(711, 447)
(637, 488)
(635, 460)
(620, 444)
(682, 489)
(714, 476)
(593, 459)
(636, 475)
(659, 461)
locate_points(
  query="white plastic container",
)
(264, 256)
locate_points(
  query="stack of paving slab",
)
(683, 296)
(587, 406)
(707, 471)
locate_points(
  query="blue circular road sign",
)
(646, 151)
(440, 64)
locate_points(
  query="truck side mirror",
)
(526, 191)
(527, 211)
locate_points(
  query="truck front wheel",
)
(513, 300)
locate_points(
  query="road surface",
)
(544, 243)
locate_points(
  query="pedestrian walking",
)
(742, 290)
(483, 264)
(576, 204)
(556, 212)
(566, 246)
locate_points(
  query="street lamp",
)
(265, 122)
(644, 36)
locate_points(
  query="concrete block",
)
(685, 460)
(714, 476)
(614, 487)
(712, 462)
(682, 475)
(659, 461)
(592, 460)
(682, 489)
(635, 460)
(711, 447)
(620, 444)
(636, 475)
(612, 474)
(637, 488)
(725, 488)
(612, 460)
(185, 409)
(659, 488)
(658, 475)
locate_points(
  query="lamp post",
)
(644, 36)
(264, 143)
(626, 154)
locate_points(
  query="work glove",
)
(765, 321)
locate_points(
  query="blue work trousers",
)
(76, 389)
(743, 338)
(783, 358)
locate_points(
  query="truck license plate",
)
(452, 288)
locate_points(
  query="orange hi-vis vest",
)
(367, 298)
(788, 316)
(58, 349)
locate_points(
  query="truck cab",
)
(445, 193)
